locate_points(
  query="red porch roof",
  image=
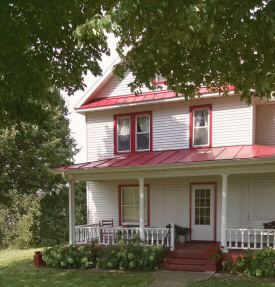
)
(180, 156)
(107, 101)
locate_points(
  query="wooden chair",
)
(106, 234)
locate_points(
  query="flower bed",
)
(130, 256)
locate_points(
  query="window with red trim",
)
(129, 204)
(200, 126)
(133, 132)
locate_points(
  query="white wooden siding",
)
(170, 200)
(265, 125)
(232, 122)
(232, 125)
(115, 87)
(254, 194)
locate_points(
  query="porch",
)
(237, 191)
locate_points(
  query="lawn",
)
(17, 269)
(235, 282)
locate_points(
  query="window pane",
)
(201, 118)
(123, 126)
(197, 211)
(207, 192)
(127, 197)
(207, 202)
(200, 136)
(136, 196)
(197, 193)
(123, 142)
(142, 124)
(207, 221)
(197, 220)
(130, 213)
(142, 141)
(202, 193)
(207, 211)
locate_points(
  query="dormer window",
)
(201, 126)
(133, 132)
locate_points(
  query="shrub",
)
(131, 256)
(260, 263)
(71, 257)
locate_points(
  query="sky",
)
(77, 121)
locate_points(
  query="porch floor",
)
(189, 256)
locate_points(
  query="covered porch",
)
(224, 173)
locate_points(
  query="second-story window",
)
(200, 126)
(142, 132)
(133, 132)
(123, 134)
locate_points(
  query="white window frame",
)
(117, 121)
(142, 115)
(145, 206)
(193, 126)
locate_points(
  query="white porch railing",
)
(250, 238)
(106, 236)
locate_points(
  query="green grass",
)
(17, 269)
(234, 282)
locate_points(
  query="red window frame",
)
(119, 202)
(132, 117)
(192, 108)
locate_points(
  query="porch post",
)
(224, 212)
(141, 209)
(71, 213)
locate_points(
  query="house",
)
(154, 159)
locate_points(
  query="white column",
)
(71, 213)
(224, 212)
(141, 209)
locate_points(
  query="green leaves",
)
(214, 43)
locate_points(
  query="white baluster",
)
(236, 241)
(157, 237)
(261, 239)
(267, 239)
(248, 238)
(162, 238)
(147, 236)
(85, 235)
(242, 239)
(230, 239)
(108, 236)
(152, 239)
(255, 239)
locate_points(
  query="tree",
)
(28, 150)
(37, 50)
(193, 43)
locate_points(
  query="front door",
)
(202, 212)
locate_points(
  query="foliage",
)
(71, 257)
(260, 263)
(28, 150)
(16, 266)
(37, 51)
(40, 219)
(214, 252)
(192, 43)
(181, 230)
(130, 256)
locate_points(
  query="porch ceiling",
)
(172, 163)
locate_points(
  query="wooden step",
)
(185, 255)
(186, 261)
(194, 268)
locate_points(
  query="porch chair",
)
(108, 223)
(269, 225)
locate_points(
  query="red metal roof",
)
(180, 156)
(107, 101)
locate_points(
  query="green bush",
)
(260, 263)
(71, 257)
(131, 256)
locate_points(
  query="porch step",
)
(185, 255)
(189, 257)
(177, 261)
(194, 268)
